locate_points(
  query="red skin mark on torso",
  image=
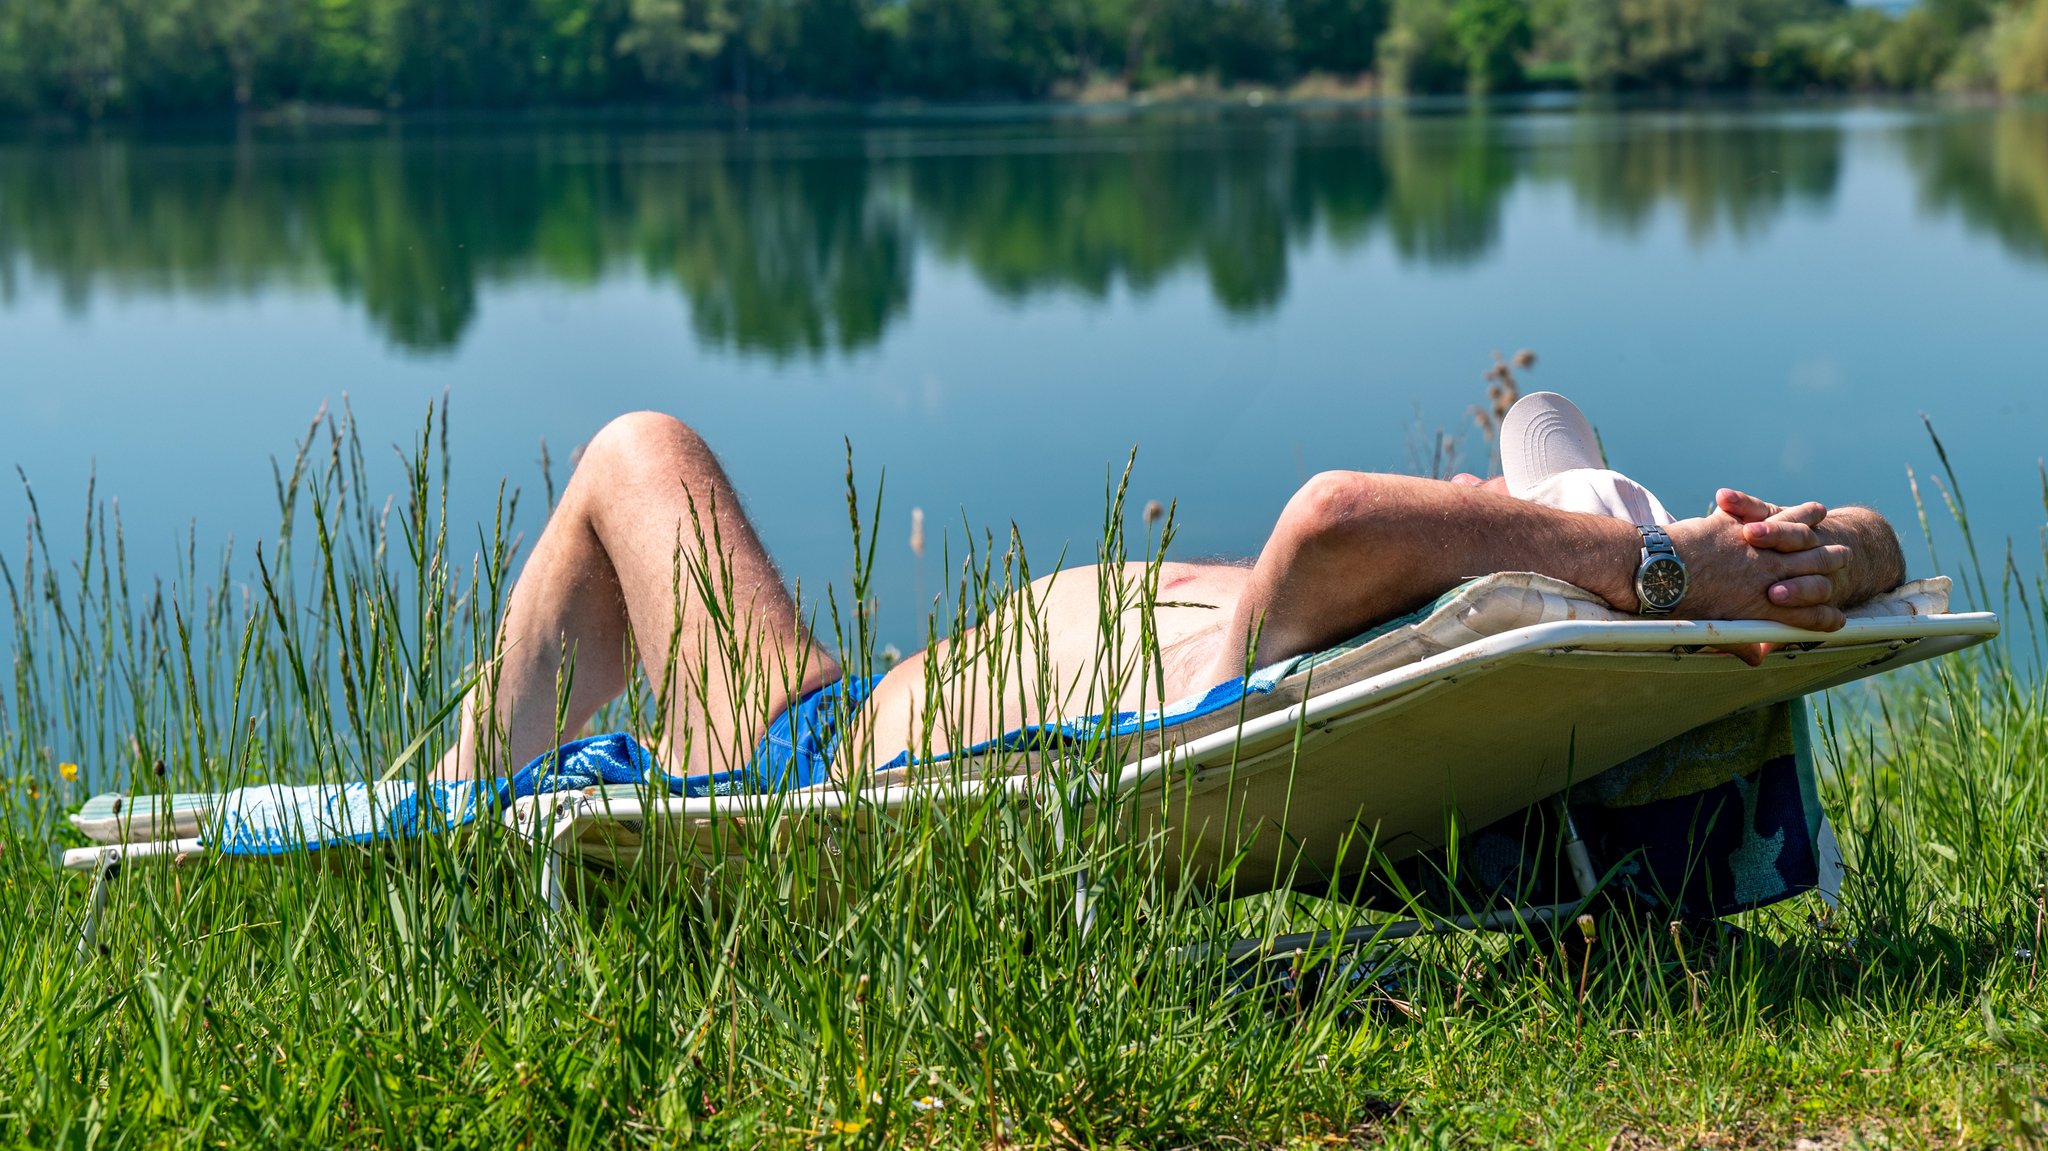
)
(1211, 574)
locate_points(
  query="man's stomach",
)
(1077, 643)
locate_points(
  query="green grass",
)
(923, 987)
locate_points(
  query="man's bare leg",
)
(1353, 548)
(621, 556)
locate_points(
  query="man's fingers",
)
(1743, 506)
(1821, 561)
(1801, 591)
(1780, 535)
(1810, 513)
(1748, 509)
(1750, 653)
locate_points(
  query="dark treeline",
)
(102, 57)
(797, 243)
(97, 56)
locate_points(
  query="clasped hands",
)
(1755, 560)
(1750, 559)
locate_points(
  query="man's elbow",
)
(1879, 560)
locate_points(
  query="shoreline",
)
(1240, 100)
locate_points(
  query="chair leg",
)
(96, 902)
(554, 857)
(1084, 903)
(1828, 854)
(551, 881)
(1069, 808)
(1575, 853)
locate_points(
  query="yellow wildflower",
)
(68, 770)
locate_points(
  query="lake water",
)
(995, 309)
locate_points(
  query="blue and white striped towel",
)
(270, 819)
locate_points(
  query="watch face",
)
(1661, 583)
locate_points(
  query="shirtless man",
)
(1349, 550)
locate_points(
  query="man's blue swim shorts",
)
(796, 751)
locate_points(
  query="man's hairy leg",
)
(621, 555)
(1352, 549)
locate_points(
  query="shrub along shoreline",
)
(101, 58)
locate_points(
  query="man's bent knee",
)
(638, 442)
(645, 433)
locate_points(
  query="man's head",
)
(1549, 455)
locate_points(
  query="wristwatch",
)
(1661, 578)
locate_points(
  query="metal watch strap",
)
(1655, 543)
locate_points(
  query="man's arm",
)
(1353, 549)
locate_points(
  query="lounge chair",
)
(1503, 694)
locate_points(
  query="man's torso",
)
(1069, 645)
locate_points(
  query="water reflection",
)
(1718, 177)
(1445, 182)
(798, 242)
(1085, 217)
(781, 257)
(1990, 171)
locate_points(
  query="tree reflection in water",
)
(1992, 171)
(1718, 173)
(799, 240)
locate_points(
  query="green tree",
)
(1491, 36)
(575, 49)
(1592, 35)
(835, 49)
(1335, 35)
(2022, 47)
(252, 36)
(1914, 52)
(88, 64)
(958, 48)
(171, 62)
(676, 42)
(1418, 52)
(1230, 40)
(1679, 44)
(952, 47)
(353, 51)
(480, 52)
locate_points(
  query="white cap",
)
(1548, 455)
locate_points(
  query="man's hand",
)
(1468, 480)
(1791, 530)
(1755, 560)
